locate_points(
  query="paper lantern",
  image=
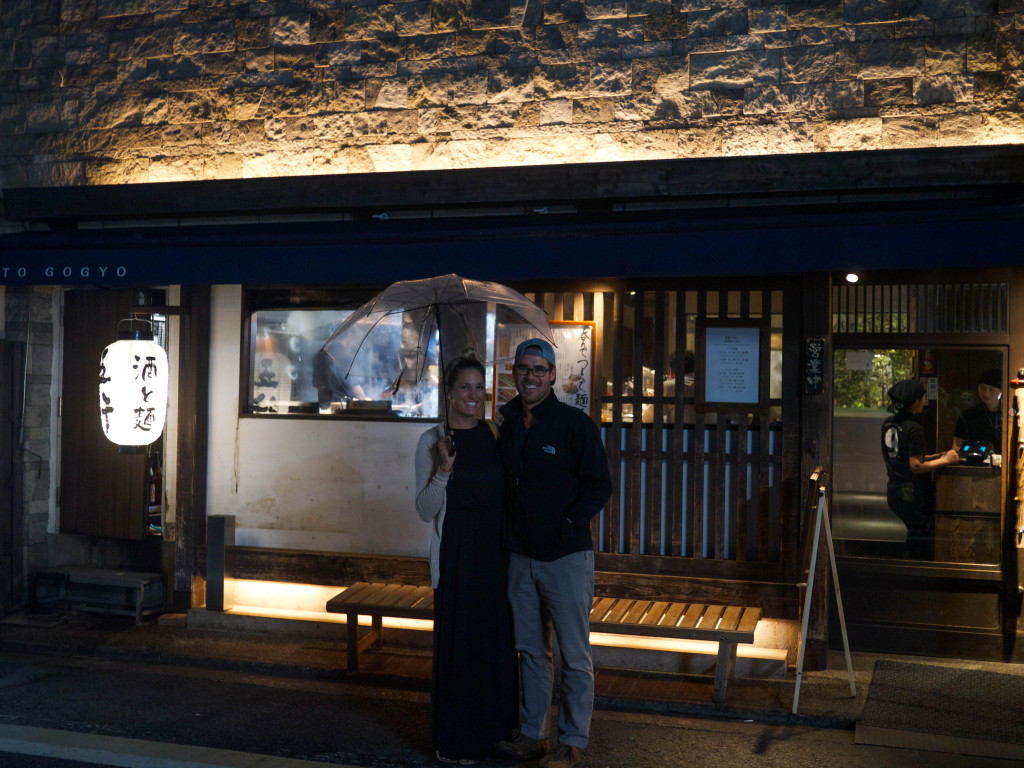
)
(133, 391)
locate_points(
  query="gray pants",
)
(556, 596)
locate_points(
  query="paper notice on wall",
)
(859, 359)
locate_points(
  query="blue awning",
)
(697, 242)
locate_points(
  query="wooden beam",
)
(193, 407)
(832, 174)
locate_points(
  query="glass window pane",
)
(964, 505)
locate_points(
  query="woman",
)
(460, 491)
(910, 491)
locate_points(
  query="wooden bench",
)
(377, 601)
(726, 625)
(102, 590)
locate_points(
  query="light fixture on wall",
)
(133, 386)
(852, 277)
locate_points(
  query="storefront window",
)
(292, 375)
(965, 511)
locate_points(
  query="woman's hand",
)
(444, 449)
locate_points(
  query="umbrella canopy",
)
(400, 331)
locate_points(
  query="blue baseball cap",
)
(536, 347)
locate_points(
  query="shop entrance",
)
(936, 593)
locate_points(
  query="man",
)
(982, 424)
(558, 479)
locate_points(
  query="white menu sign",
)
(732, 362)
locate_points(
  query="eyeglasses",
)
(537, 370)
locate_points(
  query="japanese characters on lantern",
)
(133, 391)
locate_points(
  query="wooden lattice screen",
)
(920, 308)
(691, 491)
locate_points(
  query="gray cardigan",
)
(431, 496)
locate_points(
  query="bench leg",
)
(352, 640)
(724, 669)
(378, 632)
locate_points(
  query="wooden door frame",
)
(12, 508)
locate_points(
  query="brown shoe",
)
(522, 747)
(565, 756)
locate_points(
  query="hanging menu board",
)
(731, 356)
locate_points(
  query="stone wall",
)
(114, 91)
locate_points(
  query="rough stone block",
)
(368, 23)
(340, 96)
(326, 25)
(402, 122)
(291, 100)
(611, 78)
(767, 19)
(290, 129)
(606, 9)
(470, 88)
(473, 42)
(888, 92)
(109, 110)
(564, 11)
(665, 27)
(981, 56)
(290, 30)
(558, 81)
(484, 14)
(386, 158)
(116, 8)
(943, 89)
(593, 111)
(392, 93)
(808, 64)
(718, 22)
(430, 157)
(430, 90)
(963, 25)
(778, 136)
(252, 34)
(510, 85)
(234, 132)
(72, 11)
(412, 18)
(880, 59)
(816, 14)
(611, 32)
(649, 7)
(493, 116)
(340, 54)
(731, 69)
(431, 47)
(946, 55)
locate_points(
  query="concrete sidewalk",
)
(825, 699)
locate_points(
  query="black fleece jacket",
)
(557, 479)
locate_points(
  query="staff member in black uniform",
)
(910, 491)
(982, 424)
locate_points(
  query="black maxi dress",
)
(475, 693)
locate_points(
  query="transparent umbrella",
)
(397, 334)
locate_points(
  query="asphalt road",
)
(71, 713)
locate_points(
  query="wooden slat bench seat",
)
(726, 625)
(102, 590)
(377, 601)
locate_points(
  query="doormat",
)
(944, 709)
